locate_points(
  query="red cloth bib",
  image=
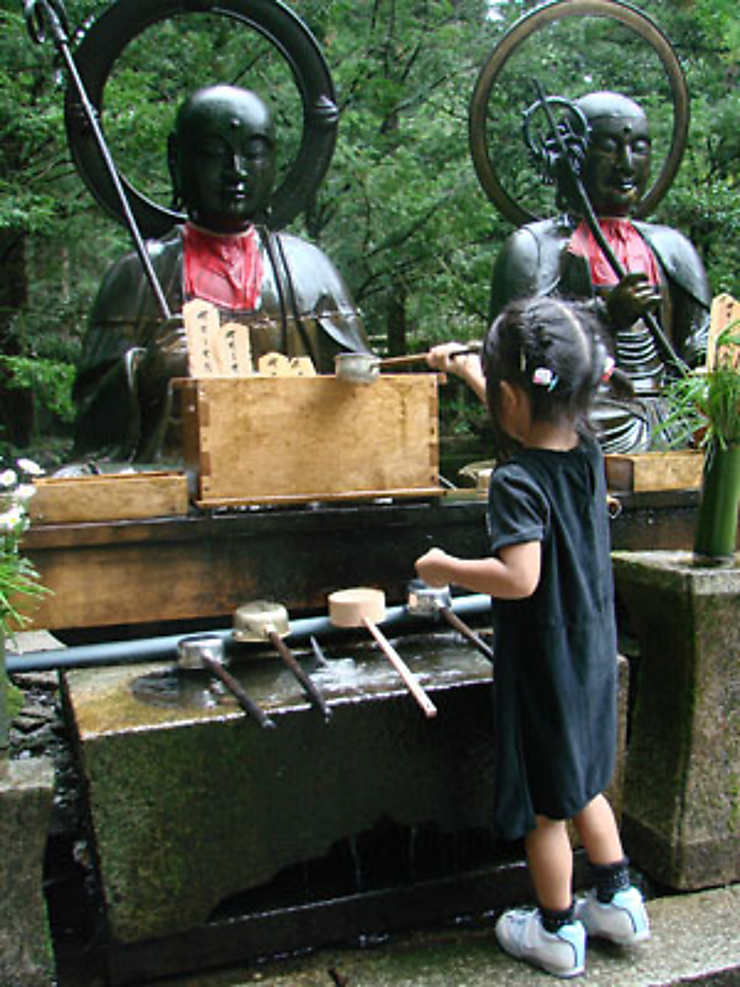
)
(629, 248)
(223, 269)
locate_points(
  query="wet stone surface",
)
(168, 754)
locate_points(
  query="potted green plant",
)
(18, 578)
(705, 403)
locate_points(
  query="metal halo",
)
(554, 10)
(124, 20)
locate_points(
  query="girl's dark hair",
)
(554, 351)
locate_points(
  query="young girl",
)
(550, 578)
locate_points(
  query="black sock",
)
(552, 920)
(610, 878)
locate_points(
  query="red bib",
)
(223, 269)
(629, 248)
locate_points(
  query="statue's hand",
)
(166, 355)
(629, 300)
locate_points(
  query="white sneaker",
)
(562, 953)
(623, 920)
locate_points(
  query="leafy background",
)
(400, 211)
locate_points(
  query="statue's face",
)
(617, 165)
(223, 160)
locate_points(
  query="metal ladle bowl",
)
(423, 600)
(191, 651)
(263, 620)
(427, 601)
(357, 368)
(206, 651)
(252, 619)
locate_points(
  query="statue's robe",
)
(537, 259)
(302, 308)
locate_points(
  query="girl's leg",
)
(550, 861)
(547, 936)
(598, 831)
(614, 909)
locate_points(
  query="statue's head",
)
(617, 165)
(221, 156)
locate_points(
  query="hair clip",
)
(545, 378)
(609, 365)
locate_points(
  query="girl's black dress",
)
(556, 654)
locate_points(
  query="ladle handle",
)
(407, 359)
(410, 680)
(287, 655)
(217, 669)
(452, 618)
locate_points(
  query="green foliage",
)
(50, 380)
(707, 402)
(18, 578)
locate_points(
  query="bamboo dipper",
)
(362, 606)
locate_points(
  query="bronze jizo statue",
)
(664, 274)
(221, 157)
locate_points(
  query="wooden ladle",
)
(363, 606)
(261, 620)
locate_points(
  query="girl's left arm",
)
(512, 574)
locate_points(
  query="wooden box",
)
(284, 440)
(109, 497)
(673, 470)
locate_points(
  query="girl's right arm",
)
(512, 574)
(467, 366)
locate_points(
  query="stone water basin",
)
(192, 803)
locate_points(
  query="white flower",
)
(29, 466)
(8, 478)
(23, 493)
(12, 521)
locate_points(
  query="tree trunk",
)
(396, 322)
(16, 406)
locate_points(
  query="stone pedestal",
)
(25, 807)
(681, 813)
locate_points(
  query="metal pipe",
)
(165, 648)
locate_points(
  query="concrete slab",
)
(25, 807)
(695, 938)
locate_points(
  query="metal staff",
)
(38, 14)
(593, 224)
